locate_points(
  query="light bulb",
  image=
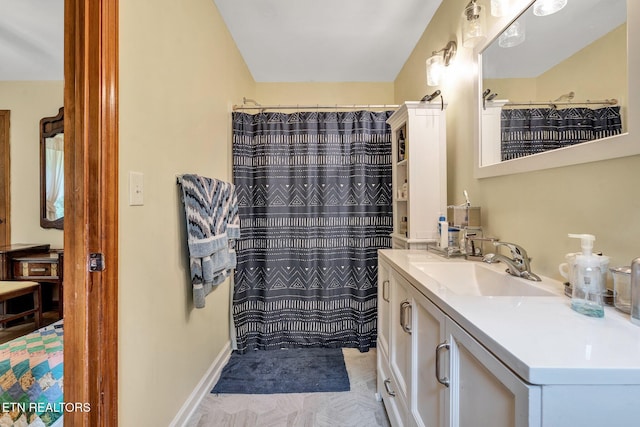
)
(435, 69)
(548, 7)
(499, 7)
(512, 36)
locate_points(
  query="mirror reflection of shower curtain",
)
(314, 196)
(526, 131)
(54, 167)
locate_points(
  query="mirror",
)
(52, 171)
(556, 74)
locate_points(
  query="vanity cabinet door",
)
(483, 391)
(428, 396)
(384, 307)
(400, 333)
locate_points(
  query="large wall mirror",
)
(52, 171)
(543, 79)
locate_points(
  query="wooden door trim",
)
(91, 207)
(5, 159)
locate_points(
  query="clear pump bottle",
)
(589, 276)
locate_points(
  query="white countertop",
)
(539, 337)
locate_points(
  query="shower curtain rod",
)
(316, 107)
(612, 101)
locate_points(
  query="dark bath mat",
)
(295, 370)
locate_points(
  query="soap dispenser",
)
(589, 279)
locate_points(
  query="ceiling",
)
(31, 39)
(326, 41)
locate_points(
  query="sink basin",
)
(471, 278)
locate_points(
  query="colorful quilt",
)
(31, 371)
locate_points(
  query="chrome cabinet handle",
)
(444, 381)
(390, 392)
(385, 290)
(405, 306)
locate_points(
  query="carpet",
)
(294, 370)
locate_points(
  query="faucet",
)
(518, 266)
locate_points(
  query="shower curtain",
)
(314, 200)
(526, 131)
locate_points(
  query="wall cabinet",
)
(419, 168)
(433, 373)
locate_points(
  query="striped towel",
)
(211, 211)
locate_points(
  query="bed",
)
(31, 369)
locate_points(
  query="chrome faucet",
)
(518, 266)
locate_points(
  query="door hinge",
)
(96, 262)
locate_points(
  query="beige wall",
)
(602, 71)
(534, 209)
(515, 90)
(29, 101)
(180, 73)
(324, 93)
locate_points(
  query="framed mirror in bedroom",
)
(52, 171)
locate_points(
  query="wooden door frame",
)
(5, 187)
(91, 210)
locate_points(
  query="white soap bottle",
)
(443, 231)
(589, 287)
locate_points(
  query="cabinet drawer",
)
(388, 390)
(35, 269)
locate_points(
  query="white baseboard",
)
(203, 388)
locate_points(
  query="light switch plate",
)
(136, 189)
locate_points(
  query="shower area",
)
(314, 201)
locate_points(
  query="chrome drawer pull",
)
(444, 381)
(388, 389)
(405, 306)
(39, 270)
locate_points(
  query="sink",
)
(472, 278)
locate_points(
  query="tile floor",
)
(357, 407)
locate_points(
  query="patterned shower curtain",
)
(314, 199)
(526, 131)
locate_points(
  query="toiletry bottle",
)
(401, 146)
(403, 226)
(443, 234)
(589, 286)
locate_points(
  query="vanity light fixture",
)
(512, 36)
(438, 61)
(473, 23)
(548, 7)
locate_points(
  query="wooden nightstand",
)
(15, 250)
(43, 267)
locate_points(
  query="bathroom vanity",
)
(461, 343)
